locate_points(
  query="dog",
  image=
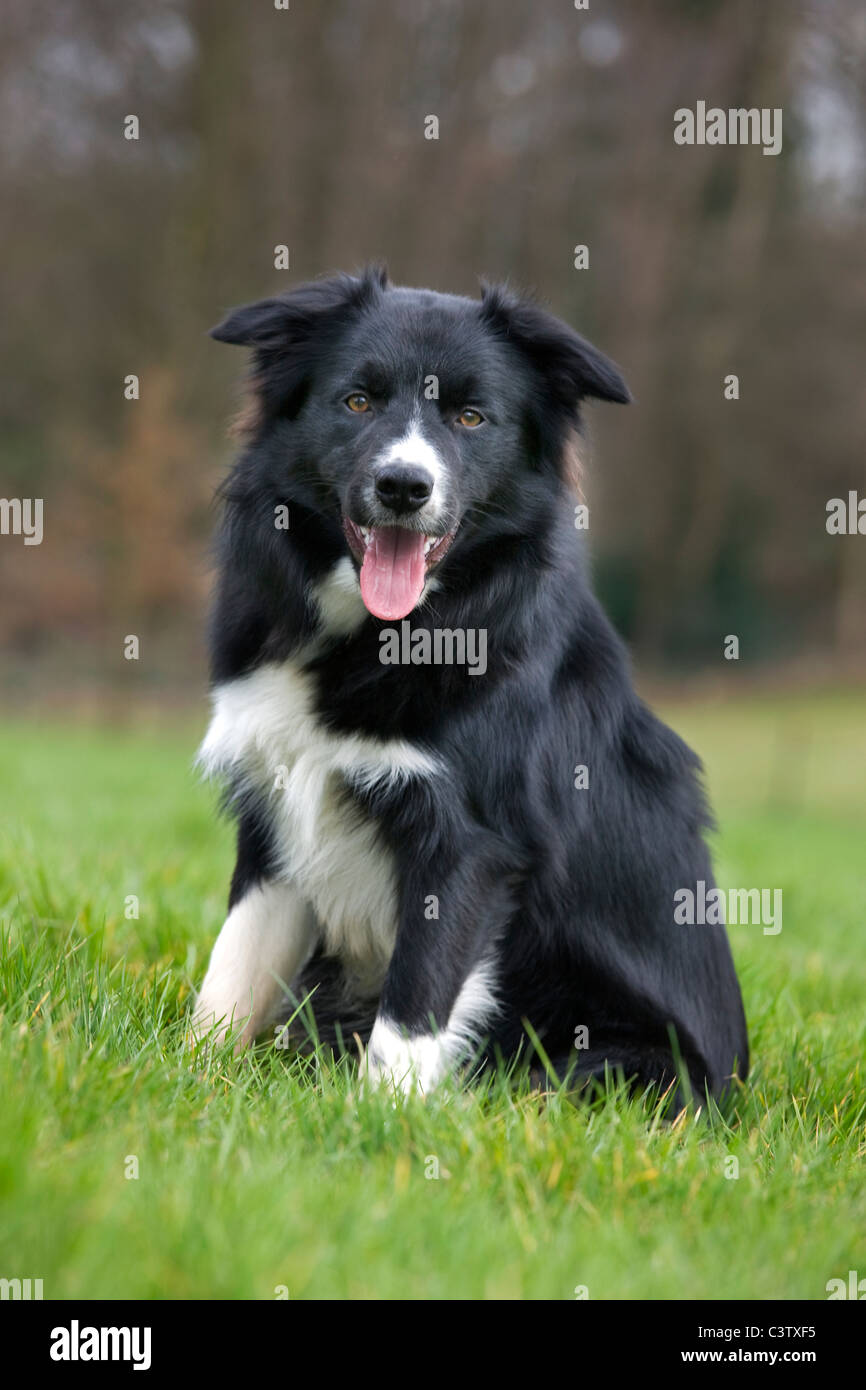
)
(457, 861)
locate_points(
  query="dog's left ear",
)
(572, 368)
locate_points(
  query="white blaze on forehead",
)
(412, 447)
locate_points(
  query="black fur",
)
(572, 890)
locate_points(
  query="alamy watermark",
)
(20, 1289)
(22, 516)
(747, 906)
(738, 125)
(855, 1288)
(846, 516)
(77, 1343)
(438, 646)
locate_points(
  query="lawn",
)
(126, 1174)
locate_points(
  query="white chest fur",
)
(265, 730)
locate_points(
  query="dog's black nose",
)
(403, 487)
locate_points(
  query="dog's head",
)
(414, 418)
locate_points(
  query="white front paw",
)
(402, 1064)
(213, 1021)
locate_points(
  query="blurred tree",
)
(306, 127)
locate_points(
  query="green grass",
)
(268, 1172)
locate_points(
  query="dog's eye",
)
(470, 418)
(357, 402)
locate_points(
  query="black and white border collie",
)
(443, 852)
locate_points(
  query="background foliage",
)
(306, 128)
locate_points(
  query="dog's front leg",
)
(440, 987)
(264, 941)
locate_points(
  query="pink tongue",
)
(393, 572)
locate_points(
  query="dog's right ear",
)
(269, 323)
(255, 325)
(288, 332)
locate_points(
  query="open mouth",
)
(394, 564)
